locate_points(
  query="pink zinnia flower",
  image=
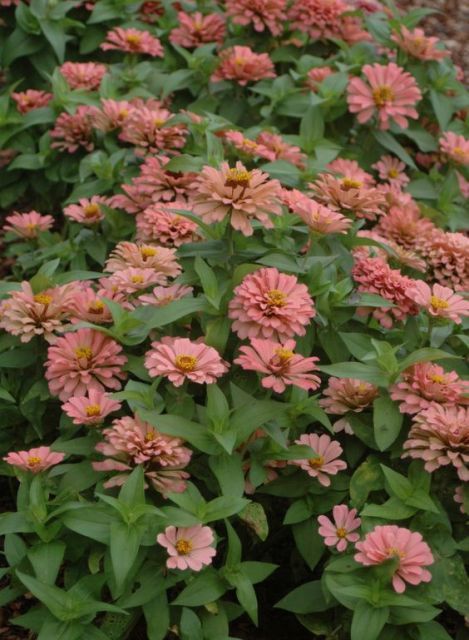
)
(188, 547)
(387, 542)
(196, 29)
(35, 460)
(391, 169)
(144, 256)
(280, 363)
(134, 279)
(151, 11)
(84, 360)
(83, 75)
(150, 131)
(455, 147)
(339, 532)
(31, 99)
(315, 76)
(161, 296)
(280, 149)
(351, 170)
(447, 258)
(179, 358)
(249, 147)
(91, 409)
(348, 195)
(325, 462)
(440, 436)
(112, 114)
(87, 211)
(418, 45)
(159, 223)
(316, 216)
(271, 304)
(403, 256)
(86, 305)
(262, 14)
(73, 131)
(317, 18)
(133, 41)
(405, 226)
(391, 94)
(242, 65)
(426, 382)
(344, 395)
(28, 225)
(241, 194)
(439, 301)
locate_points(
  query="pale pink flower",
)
(391, 169)
(87, 211)
(241, 194)
(84, 360)
(344, 395)
(179, 358)
(405, 226)
(83, 75)
(35, 460)
(31, 99)
(455, 147)
(91, 409)
(439, 301)
(325, 462)
(340, 532)
(391, 94)
(395, 197)
(144, 256)
(247, 146)
(86, 305)
(161, 296)
(150, 131)
(280, 149)
(317, 18)
(159, 223)
(316, 216)
(73, 131)
(351, 170)
(315, 76)
(388, 542)
(271, 304)
(196, 29)
(262, 14)
(440, 436)
(135, 279)
(112, 115)
(132, 41)
(280, 363)
(188, 547)
(348, 195)
(242, 65)
(28, 225)
(426, 382)
(447, 258)
(418, 45)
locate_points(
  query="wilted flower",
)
(439, 301)
(347, 394)
(418, 45)
(83, 75)
(196, 29)
(242, 65)
(73, 131)
(161, 296)
(144, 256)
(262, 14)
(392, 170)
(455, 147)
(159, 223)
(91, 409)
(132, 41)
(87, 211)
(341, 531)
(325, 462)
(407, 547)
(188, 547)
(35, 460)
(31, 99)
(28, 225)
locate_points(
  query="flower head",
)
(196, 29)
(340, 532)
(447, 258)
(392, 170)
(90, 409)
(455, 147)
(35, 460)
(438, 301)
(28, 225)
(242, 65)
(347, 394)
(161, 296)
(134, 279)
(132, 41)
(418, 45)
(262, 14)
(188, 547)
(352, 172)
(280, 149)
(348, 195)
(86, 305)
(150, 130)
(73, 131)
(159, 223)
(405, 226)
(317, 217)
(83, 75)
(317, 18)
(315, 76)
(87, 211)
(325, 462)
(247, 146)
(31, 99)
(162, 260)
(406, 547)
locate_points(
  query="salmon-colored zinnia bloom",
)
(73, 131)
(407, 547)
(180, 358)
(87, 211)
(247, 146)
(281, 149)
(188, 547)
(196, 29)
(391, 169)
(86, 305)
(325, 462)
(262, 14)
(28, 225)
(340, 532)
(84, 360)
(161, 224)
(111, 115)
(242, 65)
(351, 171)
(347, 394)
(150, 130)
(133, 41)
(418, 45)
(447, 258)
(318, 18)
(439, 301)
(316, 216)
(35, 460)
(161, 296)
(31, 99)
(280, 363)
(390, 93)
(236, 192)
(90, 409)
(144, 256)
(348, 195)
(405, 226)
(83, 75)
(135, 279)
(271, 304)
(455, 147)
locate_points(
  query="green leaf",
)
(368, 372)
(308, 541)
(387, 421)
(308, 598)
(368, 621)
(432, 630)
(368, 477)
(245, 593)
(133, 491)
(17, 358)
(397, 484)
(228, 470)
(46, 559)
(388, 141)
(249, 417)
(311, 128)
(178, 426)
(393, 509)
(255, 518)
(258, 571)
(424, 355)
(223, 507)
(157, 625)
(443, 108)
(206, 587)
(124, 545)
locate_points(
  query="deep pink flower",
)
(196, 29)
(347, 394)
(28, 225)
(280, 364)
(87, 211)
(391, 169)
(270, 304)
(439, 301)
(418, 45)
(73, 131)
(407, 547)
(179, 358)
(391, 94)
(455, 147)
(280, 149)
(162, 260)
(31, 99)
(262, 14)
(188, 547)
(132, 41)
(84, 360)
(340, 532)
(325, 462)
(91, 409)
(35, 460)
(150, 130)
(83, 75)
(242, 65)
(161, 296)
(159, 223)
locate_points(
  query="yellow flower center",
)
(276, 298)
(31, 226)
(183, 547)
(317, 462)
(238, 178)
(437, 378)
(341, 532)
(93, 410)
(383, 95)
(96, 307)
(393, 173)
(239, 61)
(159, 122)
(137, 279)
(91, 210)
(83, 352)
(147, 252)
(350, 183)
(362, 388)
(458, 151)
(438, 303)
(150, 435)
(133, 40)
(284, 355)
(123, 113)
(249, 143)
(186, 363)
(43, 298)
(395, 552)
(33, 461)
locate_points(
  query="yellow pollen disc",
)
(84, 352)
(31, 226)
(42, 298)
(33, 461)
(123, 113)
(96, 306)
(284, 355)
(93, 410)
(438, 303)
(349, 183)
(393, 173)
(361, 388)
(150, 435)
(341, 532)
(159, 122)
(458, 151)
(137, 279)
(183, 547)
(395, 552)
(438, 379)
(237, 178)
(239, 61)
(250, 143)
(147, 252)
(91, 210)
(276, 298)
(317, 462)
(382, 95)
(133, 39)
(186, 363)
